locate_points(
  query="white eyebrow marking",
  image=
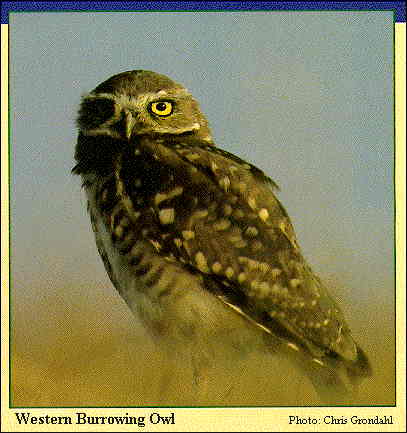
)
(92, 95)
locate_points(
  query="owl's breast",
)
(170, 300)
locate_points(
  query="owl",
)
(194, 238)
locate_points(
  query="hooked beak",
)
(130, 122)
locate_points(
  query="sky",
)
(305, 96)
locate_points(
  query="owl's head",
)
(136, 103)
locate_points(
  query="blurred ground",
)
(81, 351)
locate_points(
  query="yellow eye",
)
(161, 108)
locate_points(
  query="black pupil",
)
(161, 106)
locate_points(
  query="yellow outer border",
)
(233, 419)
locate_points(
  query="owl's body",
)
(193, 237)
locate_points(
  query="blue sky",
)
(306, 96)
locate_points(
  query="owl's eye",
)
(161, 108)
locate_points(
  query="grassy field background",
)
(78, 350)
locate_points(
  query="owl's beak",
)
(130, 123)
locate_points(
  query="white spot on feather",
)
(159, 198)
(229, 272)
(222, 224)
(201, 262)
(295, 282)
(263, 214)
(201, 213)
(240, 244)
(251, 231)
(188, 234)
(252, 202)
(167, 215)
(293, 346)
(193, 156)
(216, 267)
(238, 213)
(241, 277)
(155, 244)
(225, 183)
(119, 231)
(214, 166)
(256, 245)
(227, 209)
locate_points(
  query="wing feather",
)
(228, 225)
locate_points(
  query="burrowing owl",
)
(193, 237)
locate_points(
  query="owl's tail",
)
(360, 368)
(337, 380)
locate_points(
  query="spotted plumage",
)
(185, 228)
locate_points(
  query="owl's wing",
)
(227, 224)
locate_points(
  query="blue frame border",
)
(398, 7)
(399, 13)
